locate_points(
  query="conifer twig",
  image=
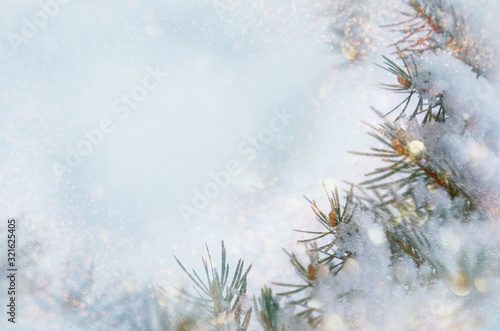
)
(221, 302)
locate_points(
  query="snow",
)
(106, 229)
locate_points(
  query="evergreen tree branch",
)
(436, 24)
(222, 303)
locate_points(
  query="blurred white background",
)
(228, 73)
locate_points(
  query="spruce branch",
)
(408, 163)
(267, 308)
(221, 303)
(436, 24)
(402, 219)
(337, 218)
(310, 275)
(325, 252)
(390, 191)
(406, 77)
